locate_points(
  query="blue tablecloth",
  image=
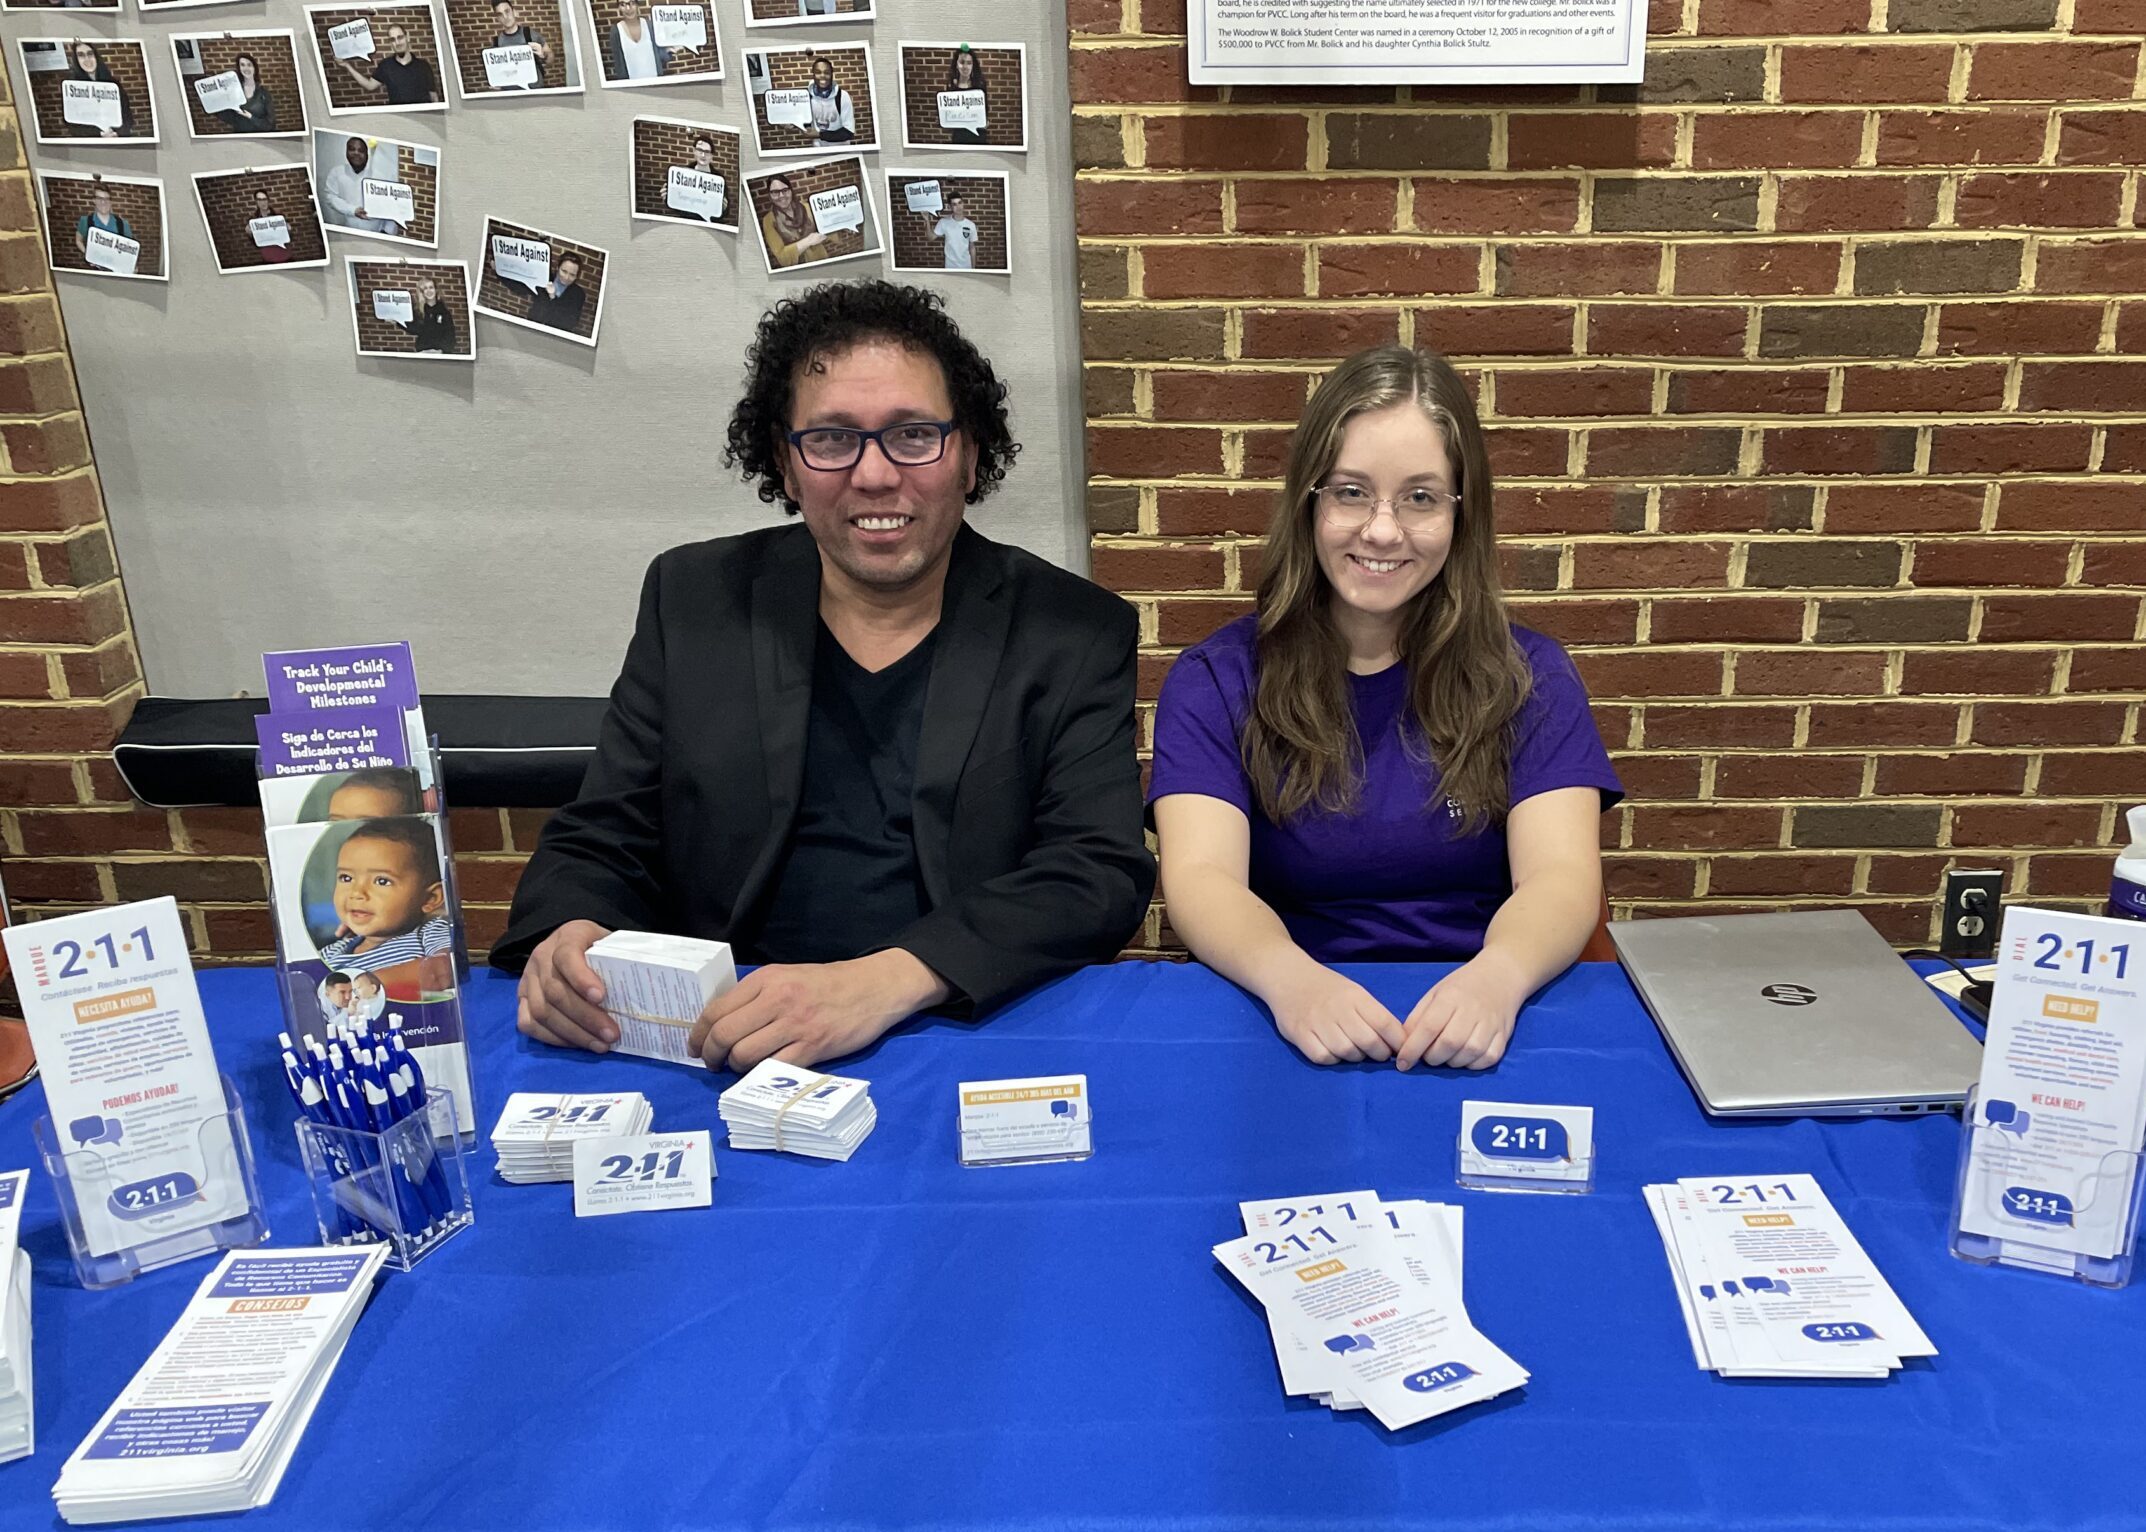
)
(902, 1342)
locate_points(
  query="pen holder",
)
(217, 1170)
(2023, 1204)
(405, 1186)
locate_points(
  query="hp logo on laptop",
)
(1789, 994)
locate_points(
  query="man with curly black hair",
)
(885, 757)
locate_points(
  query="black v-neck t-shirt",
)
(849, 880)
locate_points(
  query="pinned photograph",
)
(240, 82)
(542, 282)
(377, 58)
(650, 42)
(798, 13)
(808, 100)
(378, 188)
(88, 88)
(104, 226)
(149, 7)
(939, 222)
(814, 215)
(686, 172)
(965, 96)
(262, 219)
(417, 309)
(504, 51)
(79, 5)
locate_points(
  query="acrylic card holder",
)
(406, 1186)
(2037, 1211)
(220, 1171)
(1510, 1147)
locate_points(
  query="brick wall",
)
(344, 92)
(474, 24)
(1815, 374)
(844, 172)
(914, 243)
(68, 199)
(792, 70)
(130, 70)
(924, 75)
(598, 17)
(375, 334)
(278, 61)
(493, 293)
(227, 203)
(659, 144)
(786, 10)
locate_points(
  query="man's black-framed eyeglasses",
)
(908, 444)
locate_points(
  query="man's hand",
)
(1467, 1018)
(803, 1013)
(1333, 1020)
(561, 997)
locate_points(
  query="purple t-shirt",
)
(1391, 881)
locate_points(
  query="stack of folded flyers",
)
(1773, 1285)
(536, 1134)
(1363, 1302)
(18, 1397)
(799, 1111)
(211, 1420)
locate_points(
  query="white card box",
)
(655, 987)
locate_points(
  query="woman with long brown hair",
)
(1377, 765)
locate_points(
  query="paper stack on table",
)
(655, 987)
(210, 1421)
(1363, 1302)
(788, 1107)
(536, 1133)
(18, 1397)
(1773, 1285)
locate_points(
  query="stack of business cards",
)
(536, 1134)
(210, 1421)
(1364, 1305)
(1773, 1285)
(796, 1110)
(18, 1396)
(655, 987)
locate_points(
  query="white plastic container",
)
(2127, 888)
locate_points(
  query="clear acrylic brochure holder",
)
(406, 1186)
(222, 1158)
(2031, 1208)
(1069, 1138)
(1571, 1177)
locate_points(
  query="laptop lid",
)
(1806, 1012)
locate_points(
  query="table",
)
(902, 1342)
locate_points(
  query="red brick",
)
(1798, 872)
(1321, 333)
(1122, 568)
(2115, 564)
(14, 566)
(1324, 207)
(1705, 826)
(1915, 874)
(1590, 140)
(1235, 142)
(1653, 565)
(2010, 619)
(1744, 391)
(1648, 774)
(1528, 451)
(1904, 507)
(1089, 18)
(1720, 725)
(67, 619)
(1650, 673)
(50, 505)
(89, 832)
(1187, 622)
(2014, 328)
(1477, 329)
(1581, 269)
(222, 831)
(2049, 448)
(1990, 563)
(25, 677)
(1627, 330)
(2092, 16)
(2107, 670)
(2039, 200)
(488, 880)
(1153, 452)
(525, 826)
(1151, 205)
(1649, 877)
(2052, 876)
(1536, 206)
(1218, 270)
(2115, 137)
(2091, 266)
(2052, 71)
(1564, 392)
(1397, 270)
(1865, 201)
(24, 784)
(1758, 266)
(2124, 449)
(1787, 139)
(1228, 395)
(1266, 453)
(1884, 723)
(1981, 136)
(1660, 451)
(101, 671)
(1777, 18)
(1120, 74)
(1837, 449)
(1978, 671)
(46, 446)
(1959, 775)
(67, 882)
(1796, 774)
(476, 830)
(1727, 620)
(1809, 674)
(2090, 773)
(2005, 825)
(1579, 622)
(2042, 724)
(1923, 388)
(2088, 388)
(1187, 511)
(1903, 72)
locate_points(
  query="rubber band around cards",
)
(796, 1096)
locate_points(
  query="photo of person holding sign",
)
(271, 231)
(648, 44)
(542, 282)
(378, 187)
(342, 191)
(262, 218)
(240, 82)
(512, 51)
(406, 310)
(966, 116)
(959, 222)
(685, 172)
(106, 226)
(515, 33)
(786, 227)
(256, 108)
(806, 99)
(964, 95)
(101, 217)
(93, 103)
(363, 80)
(814, 214)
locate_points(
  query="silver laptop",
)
(1807, 1014)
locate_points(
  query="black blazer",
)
(1027, 807)
(562, 312)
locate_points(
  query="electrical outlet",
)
(1972, 899)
